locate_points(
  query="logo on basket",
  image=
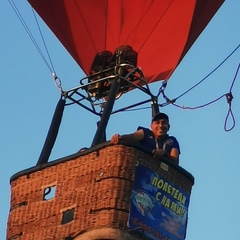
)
(144, 202)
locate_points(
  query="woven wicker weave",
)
(95, 189)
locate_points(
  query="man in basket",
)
(154, 139)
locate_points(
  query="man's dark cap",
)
(160, 115)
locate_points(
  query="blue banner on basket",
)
(159, 208)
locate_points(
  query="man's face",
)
(160, 127)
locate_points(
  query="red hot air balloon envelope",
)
(160, 32)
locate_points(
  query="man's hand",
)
(115, 139)
(128, 138)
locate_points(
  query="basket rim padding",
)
(95, 149)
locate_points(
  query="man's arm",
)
(174, 155)
(133, 137)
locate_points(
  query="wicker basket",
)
(92, 192)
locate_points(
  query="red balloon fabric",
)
(160, 31)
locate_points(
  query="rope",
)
(49, 66)
(209, 73)
(229, 98)
(44, 43)
(228, 95)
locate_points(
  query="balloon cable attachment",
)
(162, 88)
(57, 82)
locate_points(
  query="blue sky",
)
(208, 152)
